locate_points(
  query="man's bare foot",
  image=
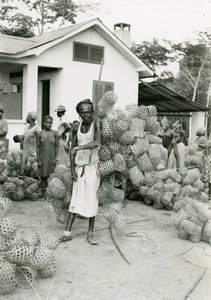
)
(65, 238)
(91, 240)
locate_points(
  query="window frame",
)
(89, 51)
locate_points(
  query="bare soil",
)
(162, 267)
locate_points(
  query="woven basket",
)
(5, 206)
(49, 270)
(144, 163)
(112, 216)
(153, 139)
(20, 254)
(31, 239)
(7, 226)
(167, 198)
(8, 242)
(106, 167)
(152, 125)
(60, 170)
(190, 191)
(127, 138)
(198, 184)
(136, 175)
(117, 195)
(152, 111)
(149, 178)
(119, 162)
(119, 229)
(117, 179)
(190, 211)
(115, 148)
(137, 127)
(108, 99)
(42, 256)
(57, 188)
(182, 234)
(179, 217)
(132, 110)
(140, 147)
(143, 112)
(193, 175)
(204, 214)
(8, 280)
(25, 276)
(107, 128)
(206, 233)
(190, 227)
(116, 206)
(68, 181)
(120, 126)
(154, 153)
(104, 153)
(49, 241)
(143, 190)
(147, 200)
(193, 148)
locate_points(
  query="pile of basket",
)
(193, 220)
(20, 189)
(23, 258)
(59, 192)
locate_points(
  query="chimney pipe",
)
(122, 31)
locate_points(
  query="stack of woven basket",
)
(193, 220)
(23, 258)
(59, 191)
(193, 156)
(20, 189)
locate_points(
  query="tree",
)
(38, 15)
(153, 54)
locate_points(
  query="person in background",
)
(47, 152)
(29, 141)
(64, 129)
(205, 145)
(85, 144)
(167, 135)
(18, 139)
(3, 132)
(176, 158)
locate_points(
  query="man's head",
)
(60, 110)
(85, 110)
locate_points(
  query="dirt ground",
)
(162, 267)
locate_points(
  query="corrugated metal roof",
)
(14, 45)
(166, 100)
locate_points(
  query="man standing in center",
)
(86, 139)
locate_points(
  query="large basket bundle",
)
(152, 125)
(49, 241)
(5, 206)
(149, 178)
(7, 242)
(137, 127)
(179, 217)
(152, 111)
(154, 153)
(153, 139)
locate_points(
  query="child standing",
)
(176, 158)
(47, 152)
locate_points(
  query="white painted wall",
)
(197, 121)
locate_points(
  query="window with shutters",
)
(99, 89)
(88, 53)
